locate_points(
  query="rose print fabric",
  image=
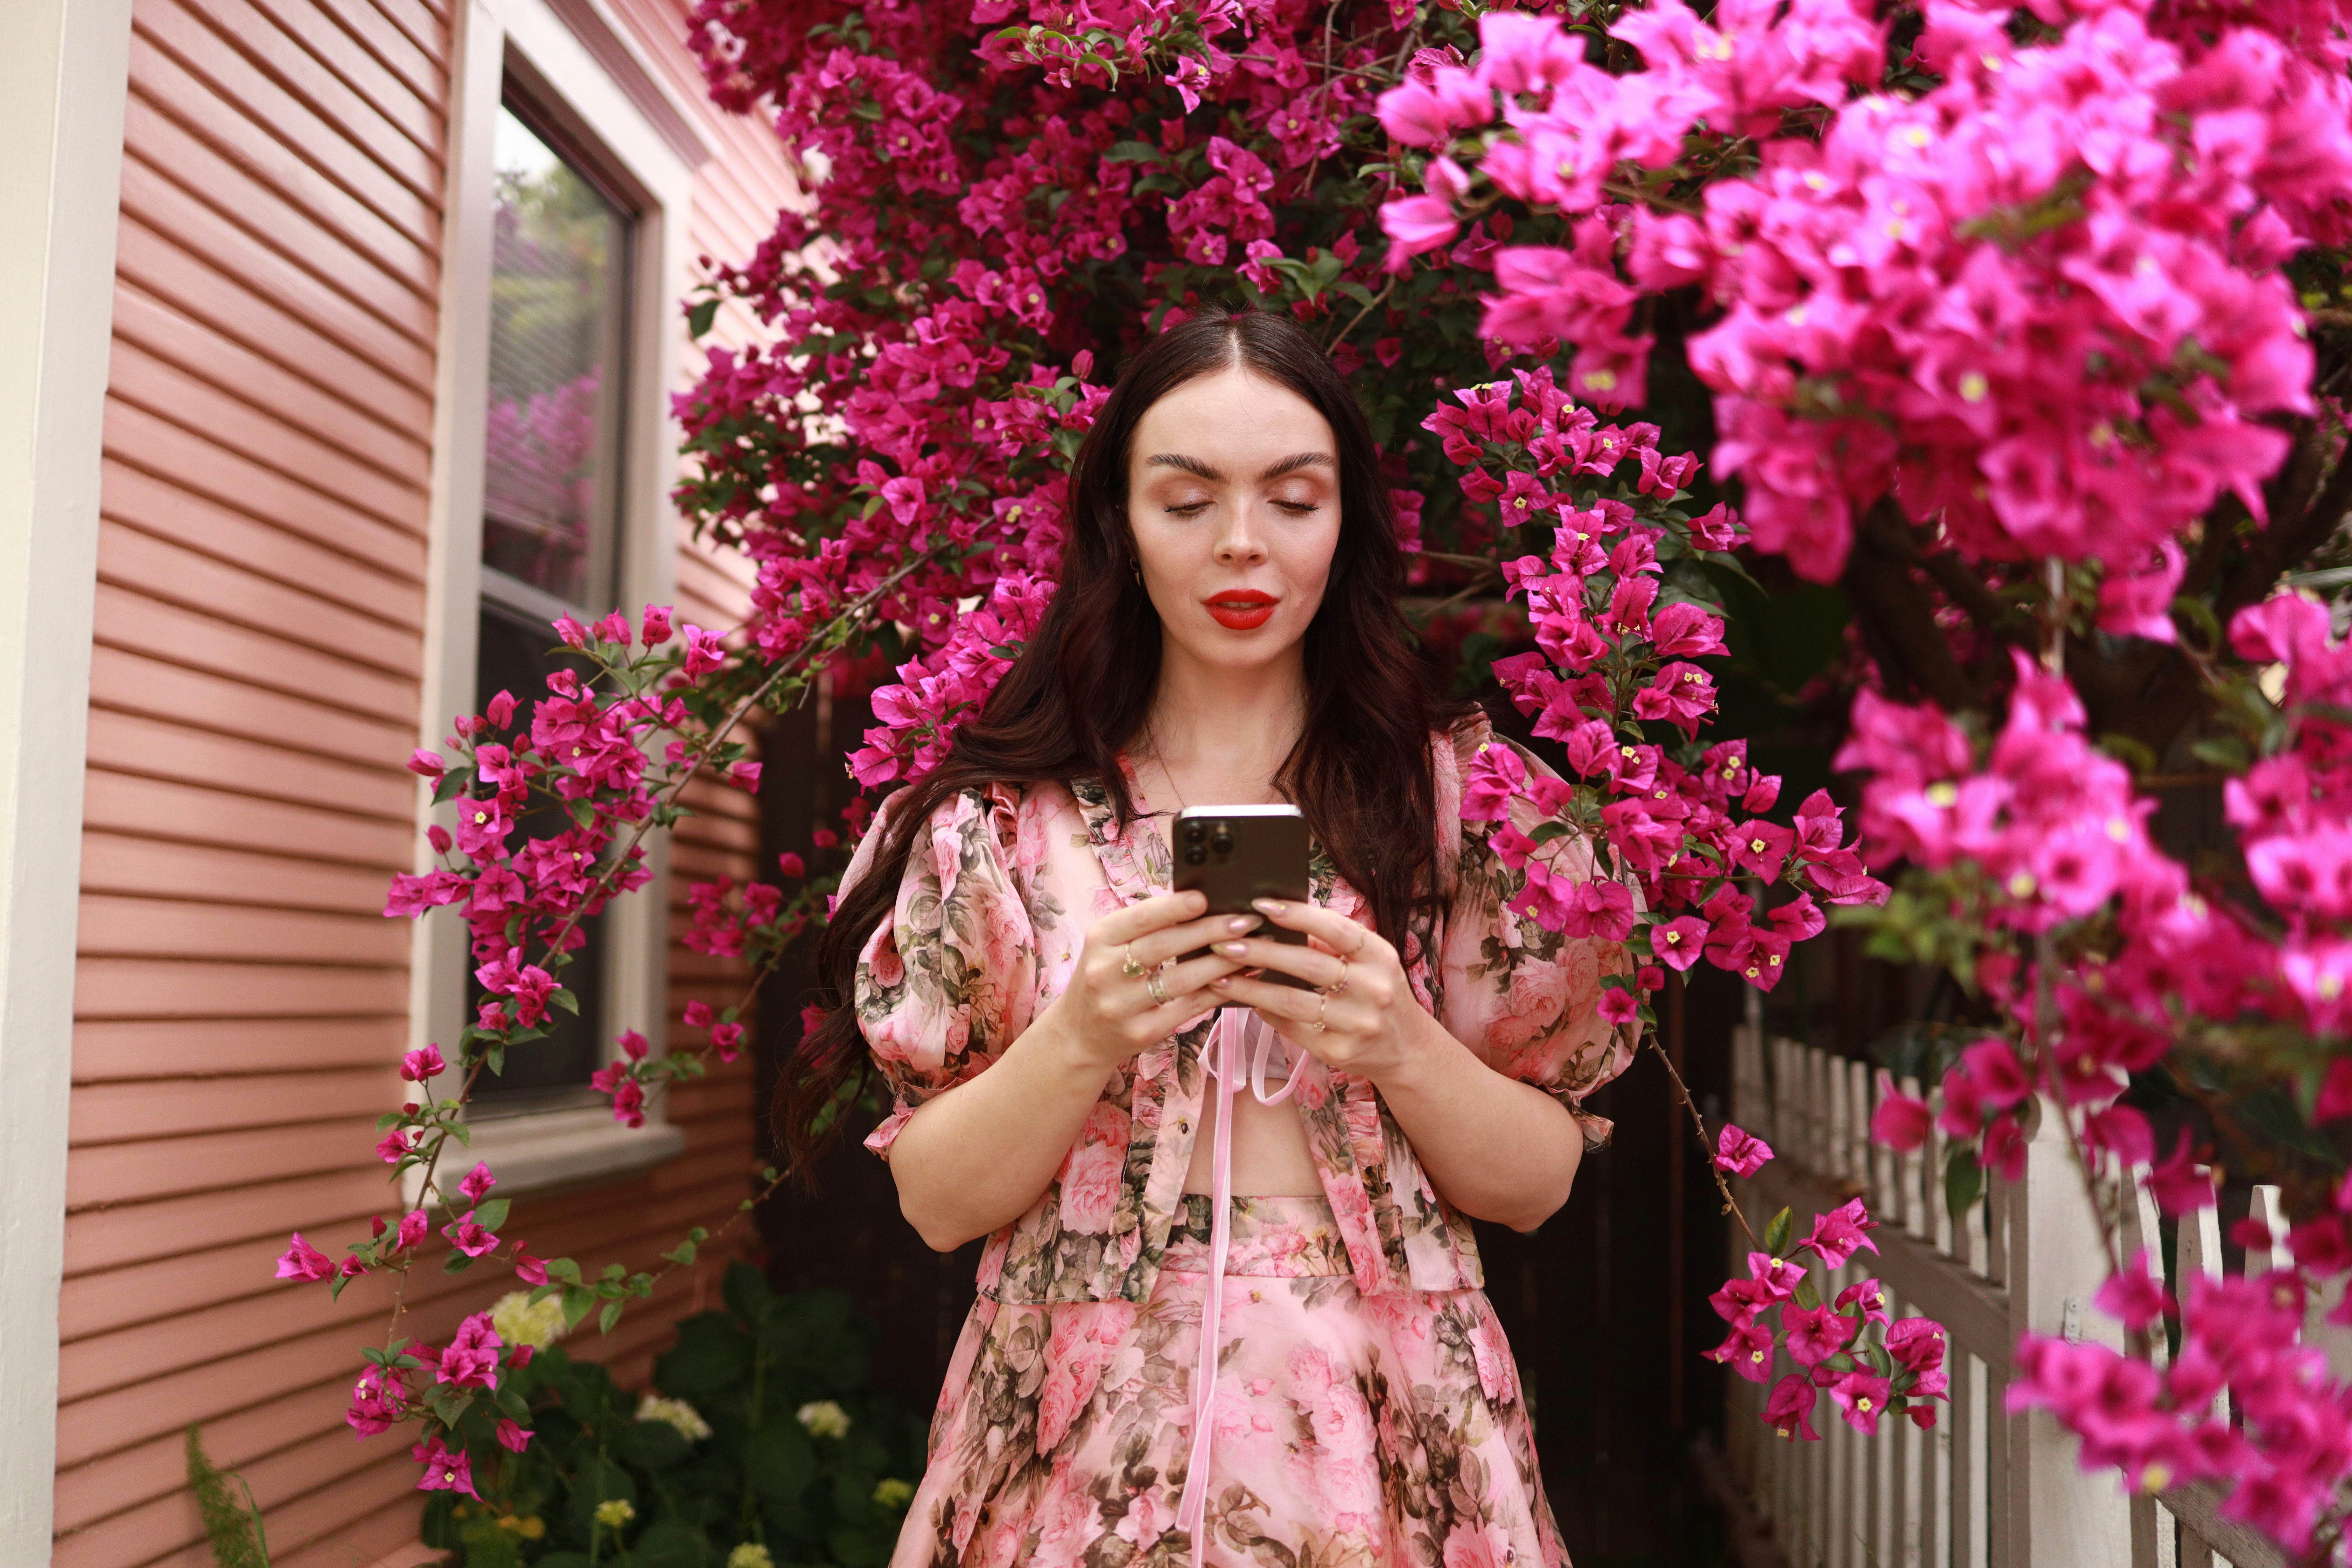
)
(1352, 1431)
(999, 890)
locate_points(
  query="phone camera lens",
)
(1196, 855)
(1195, 831)
(1223, 844)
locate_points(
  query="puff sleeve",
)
(1527, 1000)
(950, 980)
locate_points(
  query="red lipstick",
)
(1241, 609)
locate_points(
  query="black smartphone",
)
(1236, 853)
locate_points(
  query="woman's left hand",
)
(1367, 1010)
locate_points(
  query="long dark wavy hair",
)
(1360, 770)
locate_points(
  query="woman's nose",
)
(1240, 543)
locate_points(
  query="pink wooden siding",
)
(240, 1003)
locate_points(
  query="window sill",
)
(550, 1151)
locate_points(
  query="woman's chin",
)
(1217, 648)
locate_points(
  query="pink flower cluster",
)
(1615, 645)
(1897, 1370)
(2037, 835)
(2290, 1451)
(2053, 825)
(2040, 301)
(2042, 832)
(936, 693)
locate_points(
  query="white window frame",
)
(580, 71)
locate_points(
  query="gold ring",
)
(1342, 983)
(1364, 937)
(1127, 965)
(1319, 1026)
(1158, 992)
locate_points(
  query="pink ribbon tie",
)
(1237, 1030)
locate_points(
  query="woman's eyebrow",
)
(1296, 461)
(1189, 465)
(1289, 464)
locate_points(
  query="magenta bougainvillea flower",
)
(304, 1261)
(470, 1238)
(379, 1402)
(471, 1359)
(1790, 1408)
(1839, 1233)
(445, 1469)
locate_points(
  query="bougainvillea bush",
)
(2023, 325)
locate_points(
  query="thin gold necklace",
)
(1165, 771)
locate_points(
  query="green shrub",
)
(801, 1459)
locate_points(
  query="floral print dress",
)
(1366, 1408)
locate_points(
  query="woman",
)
(1269, 1346)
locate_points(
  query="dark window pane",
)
(552, 1071)
(558, 294)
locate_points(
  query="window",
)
(553, 430)
(559, 315)
(565, 253)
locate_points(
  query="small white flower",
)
(674, 1413)
(891, 1492)
(615, 1512)
(751, 1554)
(823, 1419)
(519, 1321)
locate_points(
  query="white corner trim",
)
(64, 65)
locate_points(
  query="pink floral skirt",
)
(1351, 1433)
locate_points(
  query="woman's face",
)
(1233, 495)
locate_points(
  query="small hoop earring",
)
(1136, 567)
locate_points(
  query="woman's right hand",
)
(1113, 1014)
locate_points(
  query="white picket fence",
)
(1984, 1488)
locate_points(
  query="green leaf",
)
(2225, 751)
(2207, 624)
(1963, 1182)
(699, 316)
(578, 1302)
(681, 1254)
(1776, 1234)
(609, 1316)
(491, 1215)
(564, 1269)
(1133, 153)
(1805, 1296)
(712, 1355)
(653, 1445)
(567, 1000)
(2136, 755)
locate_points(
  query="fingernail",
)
(1221, 981)
(1233, 949)
(1271, 906)
(1244, 922)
